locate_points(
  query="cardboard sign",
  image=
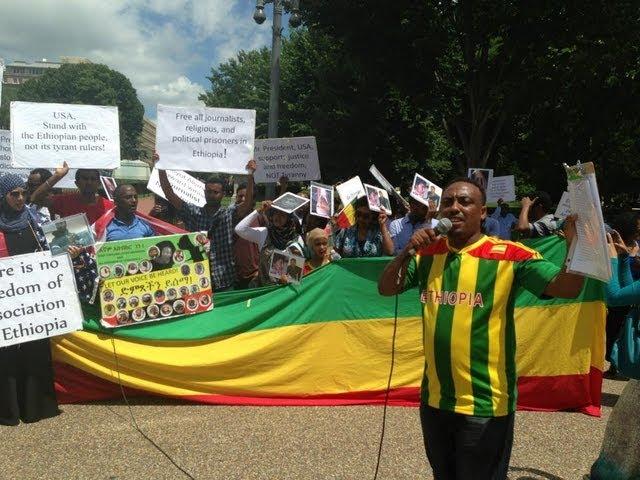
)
(481, 175)
(502, 187)
(289, 202)
(426, 192)
(350, 190)
(47, 134)
(201, 139)
(188, 188)
(294, 158)
(321, 200)
(37, 298)
(378, 199)
(150, 279)
(5, 157)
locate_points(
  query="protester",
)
(466, 280)
(26, 374)
(218, 221)
(491, 227)
(163, 210)
(281, 229)
(86, 200)
(246, 253)
(401, 230)
(505, 219)
(319, 251)
(126, 225)
(536, 219)
(369, 237)
(36, 178)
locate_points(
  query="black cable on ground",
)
(386, 395)
(135, 423)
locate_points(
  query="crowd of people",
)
(243, 237)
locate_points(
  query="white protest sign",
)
(5, 157)
(47, 134)
(564, 206)
(294, 158)
(502, 187)
(37, 298)
(201, 139)
(1, 77)
(350, 190)
(188, 188)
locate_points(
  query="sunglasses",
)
(18, 193)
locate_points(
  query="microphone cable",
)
(386, 395)
(135, 423)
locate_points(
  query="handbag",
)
(625, 354)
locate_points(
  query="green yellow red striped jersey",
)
(469, 332)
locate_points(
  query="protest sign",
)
(5, 157)
(285, 266)
(188, 188)
(501, 187)
(481, 175)
(37, 298)
(109, 186)
(588, 253)
(564, 206)
(294, 158)
(321, 200)
(150, 279)
(71, 231)
(378, 199)
(387, 186)
(1, 77)
(426, 192)
(350, 190)
(289, 202)
(201, 139)
(47, 134)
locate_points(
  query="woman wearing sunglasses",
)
(369, 237)
(26, 374)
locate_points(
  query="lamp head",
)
(295, 20)
(258, 15)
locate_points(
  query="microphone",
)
(442, 228)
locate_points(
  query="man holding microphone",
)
(467, 283)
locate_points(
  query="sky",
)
(165, 47)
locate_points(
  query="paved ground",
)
(98, 441)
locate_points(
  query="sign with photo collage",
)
(154, 278)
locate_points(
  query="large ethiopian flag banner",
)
(327, 341)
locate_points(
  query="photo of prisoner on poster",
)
(378, 199)
(109, 186)
(150, 279)
(289, 202)
(481, 175)
(426, 192)
(321, 200)
(285, 267)
(72, 231)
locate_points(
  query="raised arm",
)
(387, 241)
(245, 230)
(167, 189)
(41, 192)
(566, 285)
(523, 226)
(245, 207)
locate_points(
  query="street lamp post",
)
(276, 44)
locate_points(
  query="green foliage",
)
(89, 84)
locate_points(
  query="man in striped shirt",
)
(467, 283)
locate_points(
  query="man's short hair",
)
(43, 172)
(121, 187)
(543, 199)
(470, 181)
(80, 171)
(242, 186)
(218, 180)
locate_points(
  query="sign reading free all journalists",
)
(48, 134)
(37, 298)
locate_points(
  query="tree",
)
(90, 84)
(325, 92)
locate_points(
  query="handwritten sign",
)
(295, 158)
(188, 188)
(502, 187)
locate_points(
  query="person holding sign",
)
(369, 237)
(505, 219)
(26, 374)
(126, 225)
(401, 229)
(466, 282)
(36, 178)
(216, 220)
(86, 201)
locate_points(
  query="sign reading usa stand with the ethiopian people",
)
(151, 279)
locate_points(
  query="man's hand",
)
(266, 205)
(616, 245)
(569, 228)
(251, 166)
(382, 217)
(154, 159)
(527, 202)
(500, 201)
(74, 252)
(62, 171)
(421, 238)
